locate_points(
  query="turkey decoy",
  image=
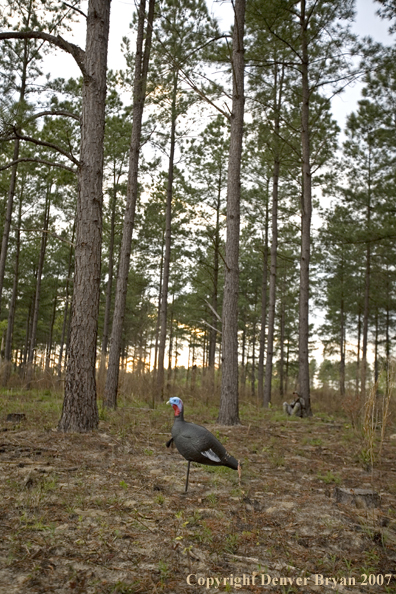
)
(196, 444)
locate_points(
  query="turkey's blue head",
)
(177, 405)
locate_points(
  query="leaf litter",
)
(105, 512)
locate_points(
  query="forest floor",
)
(105, 512)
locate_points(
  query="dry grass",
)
(104, 512)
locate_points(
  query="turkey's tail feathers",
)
(230, 462)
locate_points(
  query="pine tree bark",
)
(387, 330)
(12, 308)
(51, 332)
(170, 349)
(306, 214)
(66, 308)
(27, 334)
(282, 346)
(157, 327)
(106, 323)
(167, 255)
(358, 354)
(272, 287)
(244, 358)
(253, 369)
(229, 406)
(213, 330)
(376, 365)
(43, 246)
(260, 366)
(342, 348)
(278, 90)
(366, 311)
(139, 92)
(13, 179)
(109, 286)
(287, 366)
(342, 331)
(80, 411)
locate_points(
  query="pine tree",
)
(139, 94)
(229, 407)
(182, 32)
(206, 163)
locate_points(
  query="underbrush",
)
(105, 512)
(365, 423)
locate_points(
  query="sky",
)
(367, 24)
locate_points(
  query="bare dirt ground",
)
(105, 512)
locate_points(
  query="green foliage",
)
(329, 478)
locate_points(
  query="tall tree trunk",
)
(306, 213)
(287, 365)
(282, 345)
(253, 370)
(80, 410)
(278, 92)
(139, 93)
(376, 366)
(229, 406)
(157, 327)
(170, 350)
(193, 367)
(11, 312)
(168, 241)
(49, 349)
(13, 179)
(188, 362)
(109, 285)
(272, 287)
(44, 237)
(213, 330)
(387, 329)
(27, 335)
(358, 352)
(66, 308)
(243, 364)
(260, 367)
(366, 311)
(342, 348)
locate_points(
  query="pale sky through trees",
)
(59, 64)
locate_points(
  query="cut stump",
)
(16, 417)
(361, 498)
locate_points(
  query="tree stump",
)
(361, 498)
(16, 417)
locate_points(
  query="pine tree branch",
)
(42, 161)
(72, 49)
(188, 79)
(195, 50)
(289, 45)
(67, 114)
(213, 310)
(76, 9)
(46, 144)
(202, 95)
(210, 326)
(46, 231)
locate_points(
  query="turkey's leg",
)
(188, 472)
